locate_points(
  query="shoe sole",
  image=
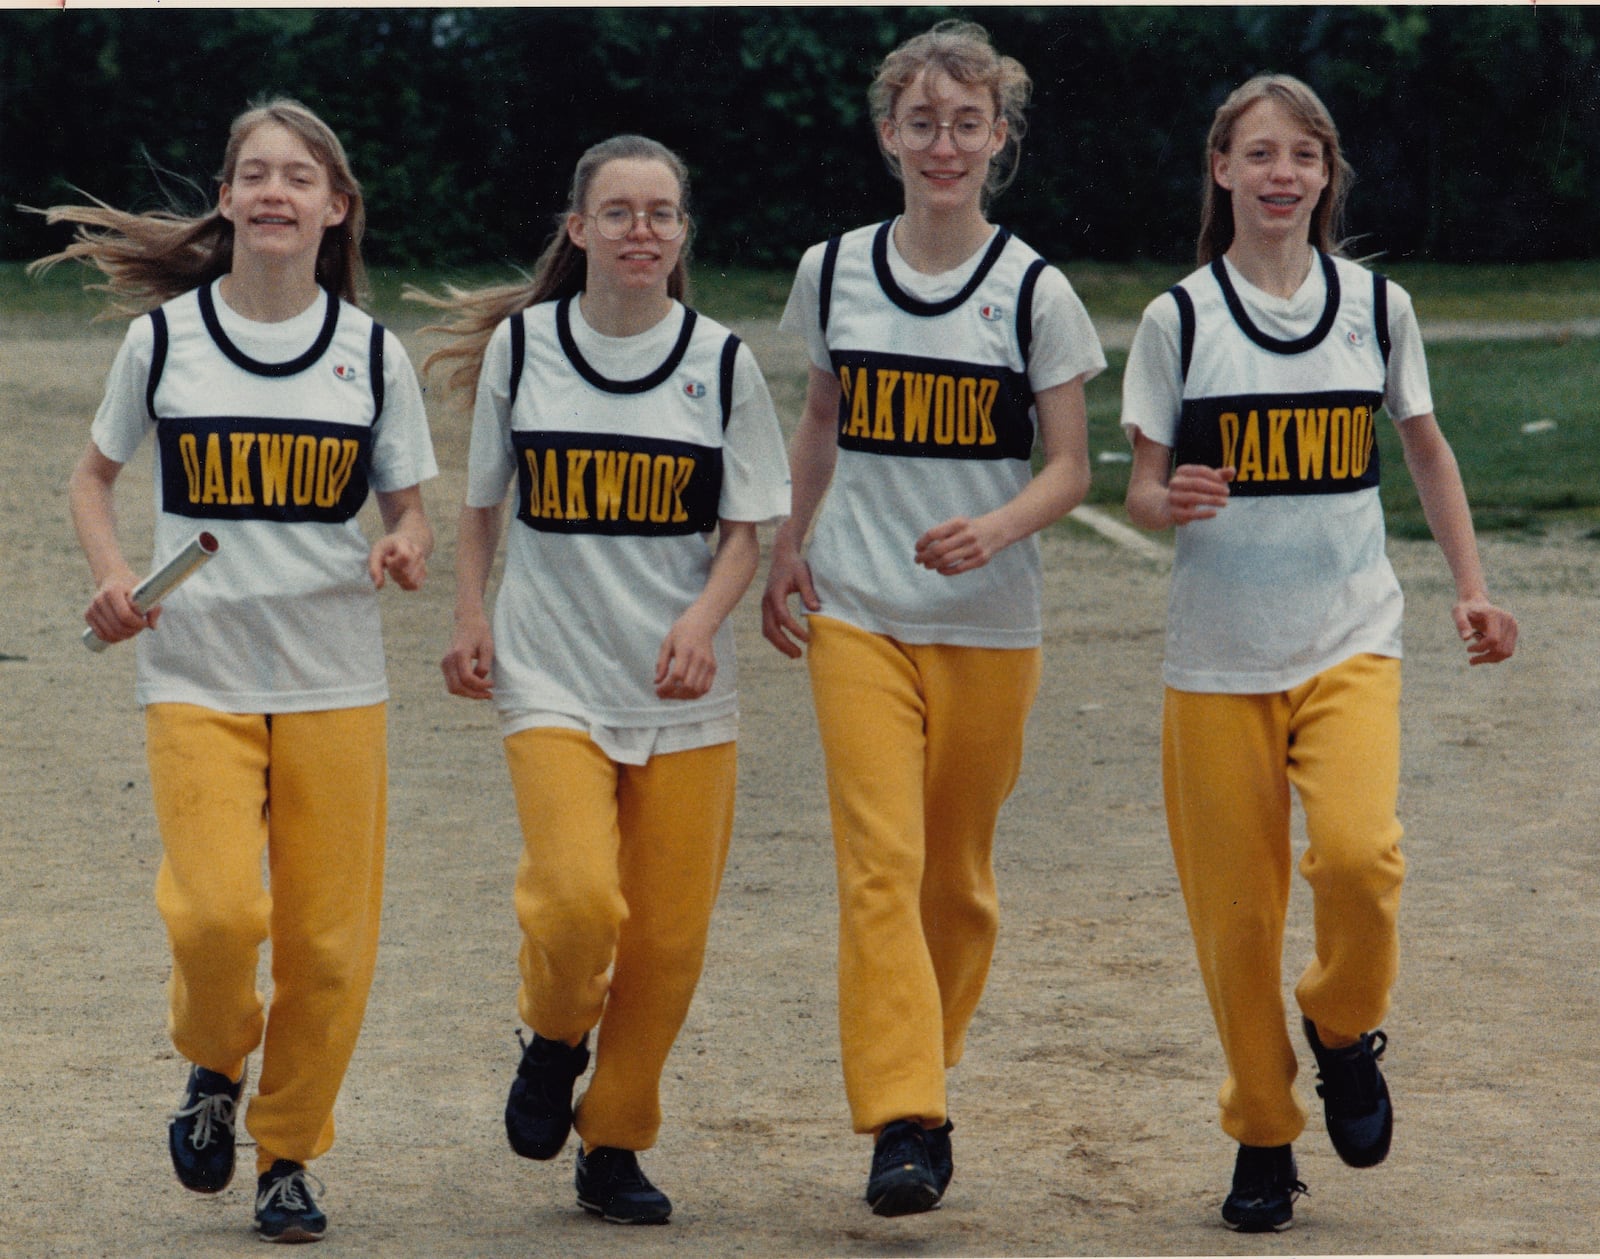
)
(292, 1235)
(1259, 1226)
(539, 1153)
(911, 1198)
(594, 1208)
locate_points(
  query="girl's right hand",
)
(790, 575)
(112, 615)
(469, 664)
(1196, 492)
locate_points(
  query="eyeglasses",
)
(969, 134)
(666, 222)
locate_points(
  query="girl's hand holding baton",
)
(156, 587)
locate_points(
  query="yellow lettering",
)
(685, 470)
(1228, 422)
(860, 423)
(1311, 431)
(189, 452)
(988, 391)
(304, 485)
(330, 451)
(1250, 449)
(883, 415)
(967, 412)
(275, 450)
(662, 472)
(1361, 441)
(919, 400)
(239, 444)
(577, 504)
(638, 486)
(1339, 443)
(550, 488)
(944, 410)
(1277, 445)
(215, 489)
(610, 470)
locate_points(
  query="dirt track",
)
(1085, 1108)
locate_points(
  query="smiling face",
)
(1274, 172)
(279, 198)
(639, 261)
(942, 176)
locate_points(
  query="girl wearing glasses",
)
(941, 346)
(1251, 399)
(633, 429)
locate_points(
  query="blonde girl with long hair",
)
(1251, 398)
(263, 385)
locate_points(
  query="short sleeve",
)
(755, 467)
(402, 453)
(1065, 344)
(1152, 382)
(123, 418)
(1407, 391)
(490, 459)
(803, 313)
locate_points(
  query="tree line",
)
(1474, 131)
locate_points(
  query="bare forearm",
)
(94, 517)
(477, 535)
(403, 514)
(732, 570)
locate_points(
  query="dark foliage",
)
(1475, 132)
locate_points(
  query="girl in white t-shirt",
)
(264, 689)
(1251, 398)
(630, 429)
(941, 348)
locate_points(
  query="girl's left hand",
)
(1490, 633)
(958, 546)
(686, 665)
(396, 554)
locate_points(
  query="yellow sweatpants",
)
(619, 872)
(309, 790)
(1228, 762)
(923, 744)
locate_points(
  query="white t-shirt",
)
(936, 422)
(266, 439)
(1291, 577)
(598, 567)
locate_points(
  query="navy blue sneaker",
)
(285, 1209)
(200, 1132)
(612, 1186)
(902, 1181)
(1355, 1098)
(1265, 1185)
(539, 1106)
(940, 1159)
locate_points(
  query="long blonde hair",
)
(152, 257)
(1326, 229)
(559, 272)
(961, 50)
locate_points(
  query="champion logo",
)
(1355, 338)
(695, 389)
(991, 312)
(344, 371)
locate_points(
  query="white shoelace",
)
(290, 1191)
(215, 1110)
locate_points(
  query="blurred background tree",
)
(1475, 131)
